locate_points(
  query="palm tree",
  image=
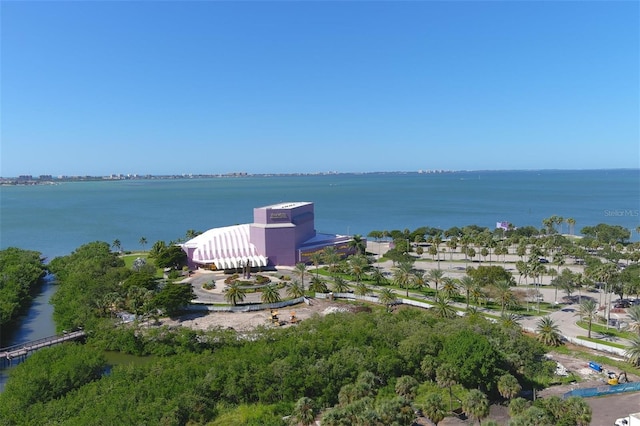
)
(632, 353)
(452, 244)
(476, 405)
(301, 269)
(588, 311)
(572, 223)
(442, 308)
(419, 279)
(191, 234)
(331, 257)
(234, 294)
(433, 408)
(402, 275)
(295, 289)
(340, 285)
(143, 242)
(436, 276)
(509, 320)
(579, 410)
(378, 277)
(504, 295)
(316, 258)
(358, 265)
(387, 298)
(548, 332)
(304, 411)
(449, 287)
(446, 378)
(318, 285)
(508, 386)
(467, 283)
(117, 245)
(361, 289)
(358, 244)
(406, 387)
(634, 316)
(270, 294)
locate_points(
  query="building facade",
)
(281, 235)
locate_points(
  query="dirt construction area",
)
(243, 321)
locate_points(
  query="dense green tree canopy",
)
(20, 272)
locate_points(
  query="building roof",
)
(290, 205)
(227, 247)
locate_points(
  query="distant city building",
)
(280, 235)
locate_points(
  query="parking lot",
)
(607, 409)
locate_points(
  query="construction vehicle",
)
(614, 379)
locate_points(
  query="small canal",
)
(36, 323)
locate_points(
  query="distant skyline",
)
(162, 88)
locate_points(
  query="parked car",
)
(622, 304)
(543, 260)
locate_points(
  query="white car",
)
(623, 421)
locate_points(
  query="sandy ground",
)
(244, 321)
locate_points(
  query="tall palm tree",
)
(358, 265)
(301, 269)
(402, 275)
(143, 242)
(295, 289)
(234, 294)
(467, 283)
(632, 353)
(476, 405)
(504, 295)
(446, 378)
(588, 311)
(435, 275)
(316, 258)
(331, 257)
(117, 245)
(572, 223)
(270, 294)
(548, 332)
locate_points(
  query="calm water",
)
(56, 219)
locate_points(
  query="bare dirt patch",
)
(244, 321)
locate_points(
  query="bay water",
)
(56, 219)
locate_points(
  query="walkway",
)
(23, 349)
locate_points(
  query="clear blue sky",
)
(214, 87)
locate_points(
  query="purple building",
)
(280, 235)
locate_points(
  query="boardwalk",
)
(22, 350)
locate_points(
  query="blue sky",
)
(94, 88)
